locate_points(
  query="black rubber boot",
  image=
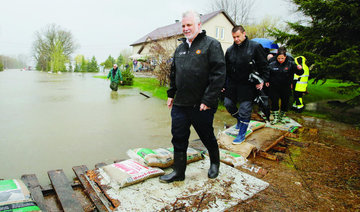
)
(179, 168)
(214, 163)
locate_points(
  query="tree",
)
(120, 60)
(80, 63)
(238, 10)
(328, 38)
(12, 62)
(93, 65)
(53, 46)
(261, 30)
(126, 54)
(161, 52)
(57, 62)
(1, 67)
(109, 62)
(128, 77)
(84, 65)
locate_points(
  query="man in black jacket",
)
(196, 78)
(243, 58)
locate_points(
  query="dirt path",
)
(324, 176)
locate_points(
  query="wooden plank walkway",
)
(34, 187)
(60, 194)
(96, 196)
(64, 191)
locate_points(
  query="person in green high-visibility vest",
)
(300, 84)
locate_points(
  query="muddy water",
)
(57, 121)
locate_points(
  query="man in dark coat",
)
(243, 58)
(196, 78)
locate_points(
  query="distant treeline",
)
(7, 62)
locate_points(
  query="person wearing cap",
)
(115, 77)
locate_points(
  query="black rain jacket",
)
(197, 73)
(282, 74)
(241, 60)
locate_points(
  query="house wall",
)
(169, 44)
(221, 22)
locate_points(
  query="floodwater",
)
(57, 121)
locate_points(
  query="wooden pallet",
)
(63, 195)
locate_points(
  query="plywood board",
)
(197, 192)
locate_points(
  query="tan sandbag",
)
(129, 172)
(255, 125)
(192, 154)
(160, 157)
(231, 158)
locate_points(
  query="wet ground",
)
(323, 176)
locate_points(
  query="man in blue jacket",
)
(196, 78)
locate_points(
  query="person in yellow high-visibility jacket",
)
(300, 84)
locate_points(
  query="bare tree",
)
(51, 43)
(162, 51)
(261, 30)
(238, 10)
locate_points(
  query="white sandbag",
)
(231, 158)
(192, 155)
(14, 195)
(129, 172)
(160, 157)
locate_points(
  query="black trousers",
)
(297, 96)
(202, 121)
(280, 92)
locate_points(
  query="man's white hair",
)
(194, 14)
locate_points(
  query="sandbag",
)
(192, 154)
(231, 158)
(129, 172)
(255, 125)
(14, 196)
(160, 157)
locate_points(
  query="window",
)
(220, 33)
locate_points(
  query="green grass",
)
(317, 92)
(101, 77)
(150, 85)
(330, 90)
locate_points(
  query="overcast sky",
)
(102, 28)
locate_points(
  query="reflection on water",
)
(114, 95)
(51, 121)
